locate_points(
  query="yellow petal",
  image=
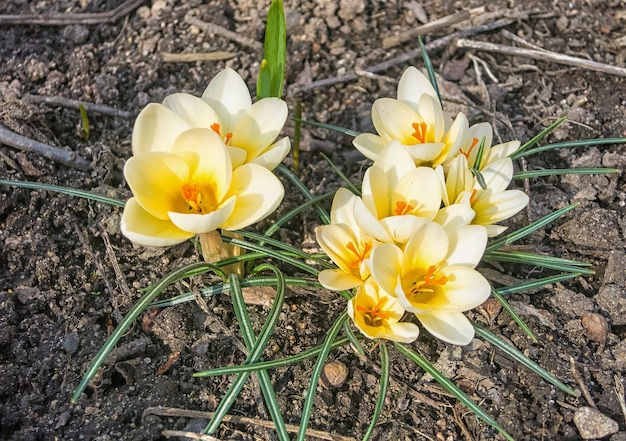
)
(333, 240)
(413, 84)
(467, 245)
(229, 96)
(394, 120)
(192, 109)
(375, 192)
(492, 208)
(449, 326)
(465, 289)
(386, 265)
(428, 246)
(369, 145)
(338, 280)
(144, 229)
(156, 128)
(419, 191)
(258, 192)
(497, 175)
(203, 223)
(258, 126)
(274, 155)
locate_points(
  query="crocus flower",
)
(377, 315)
(483, 133)
(346, 244)
(417, 121)
(433, 277)
(249, 130)
(397, 196)
(190, 188)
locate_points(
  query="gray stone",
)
(612, 300)
(592, 424)
(615, 272)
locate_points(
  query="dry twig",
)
(64, 19)
(75, 104)
(409, 34)
(175, 412)
(212, 28)
(543, 55)
(190, 435)
(169, 57)
(65, 157)
(581, 383)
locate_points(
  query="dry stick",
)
(581, 383)
(433, 45)
(65, 157)
(212, 28)
(75, 104)
(409, 34)
(169, 57)
(542, 55)
(64, 19)
(175, 412)
(190, 435)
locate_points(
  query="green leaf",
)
(343, 177)
(324, 216)
(137, 309)
(65, 190)
(429, 69)
(539, 260)
(354, 341)
(563, 171)
(545, 132)
(518, 356)
(521, 323)
(272, 69)
(452, 388)
(382, 393)
(569, 144)
(293, 213)
(343, 130)
(536, 283)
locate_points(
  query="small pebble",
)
(334, 374)
(596, 326)
(70, 343)
(592, 424)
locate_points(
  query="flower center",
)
(427, 285)
(198, 199)
(374, 316)
(474, 197)
(216, 127)
(420, 131)
(360, 255)
(469, 151)
(402, 208)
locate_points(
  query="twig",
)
(175, 412)
(541, 55)
(190, 435)
(581, 383)
(75, 104)
(433, 45)
(64, 19)
(65, 157)
(169, 57)
(409, 34)
(212, 28)
(619, 391)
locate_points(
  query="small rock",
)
(596, 326)
(70, 343)
(612, 300)
(27, 295)
(592, 424)
(348, 9)
(77, 34)
(334, 374)
(614, 272)
(157, 6)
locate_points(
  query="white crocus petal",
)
(395, 162)
(413, 84)
(459, 178)
(454, 138)
(454, 216)
(338, 280)
(192, 109)
(418, 192)
(156, 128)
(369, 223)
(229, 96)
(258, 193)
(203, 223)
(492, 208)
(393, 120)
(274, 154)
(449, 326)
(465, 289)
(237, 156)
(495, 230)
(375, 192)
(342, 208)
(503, 150)
(467, 245)
(431, 113)
(369, 145)
(386, 265)
(428, 246)
(144, 229)
(258, 126)
(425, 153)
(497, 175)
(333, 239)
(401, 228)
(475, 136)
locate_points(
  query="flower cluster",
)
(410, 244)
(202, 164)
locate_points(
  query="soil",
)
(67, 275)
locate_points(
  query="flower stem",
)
(214, 250)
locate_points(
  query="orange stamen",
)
(473, 197)
(402, 208)
(420, 131)
(469, 151)
(192, 196)
(360, 256)
(375, 315)
(429, 277)
(217, 128)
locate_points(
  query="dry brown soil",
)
(67, 275)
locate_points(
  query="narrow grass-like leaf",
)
(324, 216)
(452, 388)
(293, 213)
(134, 312)
(354, 341)
(521, 323)
(334, 128)
(307, 408)
(569, 144)
(519, 356)
(538, 137)
(272, 69)
(296, 136)
(528, 229)
(382, 392)
(256, 348)
(429, 69)
(539, 260)
(479, 178)
(85, 194)
(272, 364)
(479, 154)
(563, 171)
(536, 283)
(223, 288)
(343, 177)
